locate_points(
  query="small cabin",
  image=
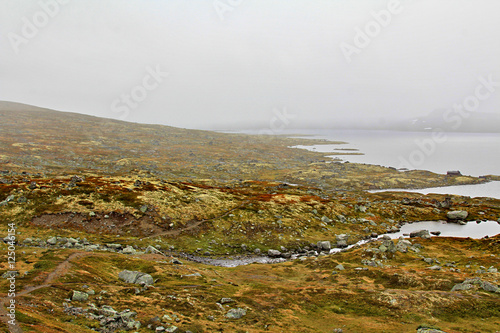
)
(454, 173)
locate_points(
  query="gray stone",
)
(324, 246)
(52, 241)
(172, 329)
(420, 233)
(71, 240)
(79, 296)
(435, 268)
(226, 300)
(192, 275)
(236, 313)
(389, 245)
(273, 253)
(339, 267)
(341, 243)
(325, 219)
(429, 330)
(136, 277)
(107, 311)
(457, 215)
(152, 249)
(403, 245)
(128, 250)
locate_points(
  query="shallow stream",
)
(471, 229)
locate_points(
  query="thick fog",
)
(241, 63)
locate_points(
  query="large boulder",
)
(342, 240)
(420, 233)
(470, 283)
(324, 246)
(403, 245)
(236, 313)
(136, 277)
(79, 296)
(457, 215)
(274, 253)
(387, 246)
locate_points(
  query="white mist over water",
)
(474, 154)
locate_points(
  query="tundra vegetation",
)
(117, 224)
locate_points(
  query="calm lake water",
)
(471, 229)
(474, 154)
(490, 190)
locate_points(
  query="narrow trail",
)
(59, 271)
(194, 224)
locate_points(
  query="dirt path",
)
(194, 224)
(59, 271)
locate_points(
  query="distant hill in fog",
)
(445, 120)
(450, 121)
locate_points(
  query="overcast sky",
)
(202, 64)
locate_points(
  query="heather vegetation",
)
(119, 225)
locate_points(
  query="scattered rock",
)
(387, 246)
(325, 219)
(403, 245)
(324, 246)
(152, 249)
(176, 261)
(273, 253)
(429, 330)
(136, 277)
(236, 313)
(470, 283)
(492, 270)
(420, 233)
(79, 296)
(128, 250)
(339, 267)
(226, 300)
(457, 215)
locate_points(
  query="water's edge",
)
(483, 229)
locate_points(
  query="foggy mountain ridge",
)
(445, 120)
